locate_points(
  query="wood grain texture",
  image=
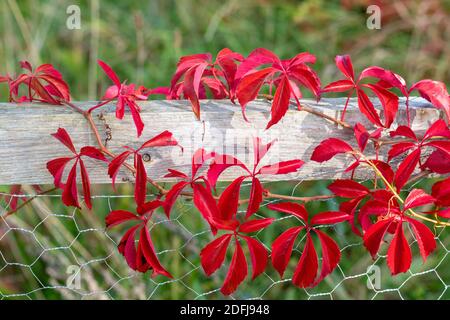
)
(26, 144)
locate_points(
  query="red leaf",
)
(424, 236)
(134, 109)
(330, 255)
(437, 129)
(435, 92)
(237, 272)
(388, 100)
(191, 86)
(140, 188)
(330, 217)
(93, 153)
(149, 253)
(361, 135)
(406, 168)
(282, 249)
(70, 193)
(249, 86)
(119, 216)
(172, 196)
(260, 149)
(282, 167)
(229, 200)
(220, 164)
(399, 148)
(403, 131)
(399, 253)
(62, 135)
(109, 72)
(385, 169)
(255, 225)
(339, 86)
(280, 103)
(116, 163)
(258, 255)
(438, 162)
(256, 192)
(375, 234)
(328, 148)
(199, 157)
(306, 270)
(205, 203)
(417, 198)
(86, 185)
(293, 208)
(213, 254)
(441, 191)
(149, 206)
(348, 189)
(127, 247)
(344, 63)
(441, 145)
(56, 168)
(367, 108)
(163, 139)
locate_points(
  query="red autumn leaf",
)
(330, 255)
(213, 255)
(126, 95)
(150, 255)
(306, 270)
(339, 86)
(127, 247)
(119, 216)
(399, 254)
(255, 199)
(44, 84)
(282, 249)
(425, 238)
(140, 190)
(172, 196)
(435, 92)
(164, 139)
(282, 167)
(56, 168)
(328, 148)
(387, 79)
(286, 75)
(403, 131)
(229, 199)
(406, 168)
(348, 189)
(400, 148)
(248, 87)
(375, 234)
(280, 103)
(438, 162)
(417, 198)
(258, 255)
(293, 208)
(237, 271)
(330, 217)
(344, 63)
(441, 192)
(367, 108)
(116, 163)
(255, 225)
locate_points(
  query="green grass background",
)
(142, 41)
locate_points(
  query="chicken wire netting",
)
(48, 251)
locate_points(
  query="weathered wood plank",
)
(26, 144)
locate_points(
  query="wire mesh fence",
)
(48, 251)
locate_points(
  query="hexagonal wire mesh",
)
(48, 251)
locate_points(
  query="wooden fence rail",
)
(26, 144)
